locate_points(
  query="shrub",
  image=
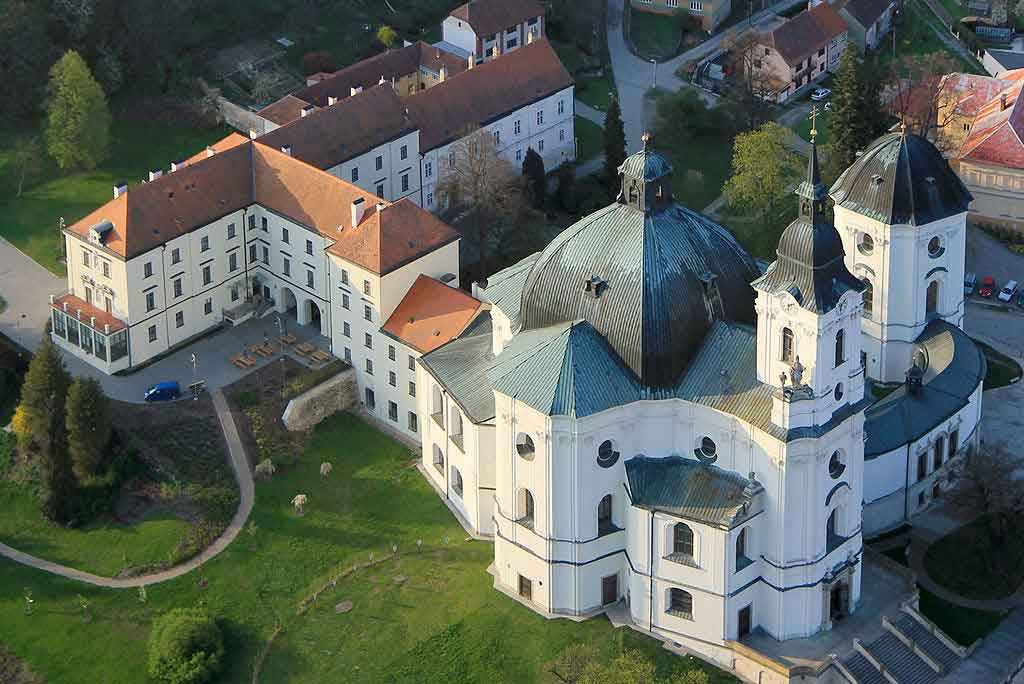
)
(272, 442)
(248, 399)
(197, 538)
(315, 62)
(309, 379)
(6, 452)
(185, 647)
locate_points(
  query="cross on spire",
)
(814, 123)
(646, 138)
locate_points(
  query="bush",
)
(197, 538)
(248, 399)
(309, 379)
(272, 441)
(315, 62)
(185, 647)
(7, 441)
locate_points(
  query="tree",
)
(386, 36)
(185, 647)
(535, 178)
(764, 168)
(74, 16)
(89, 428)
(750, 87)
(77, 120)
(26, 159)
(109, 70)
(566, 190)
(25, 54)
(614, 145)
(857, 116)
(923, 98)
(988, 483)
(484, 187)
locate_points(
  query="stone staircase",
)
(1000, 658)
(911, 650)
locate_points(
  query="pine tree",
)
(89, 427)
(846, 124)
(614, 145)
(536, 181)
(77, 117)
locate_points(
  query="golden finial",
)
(814, 123)
(646, 138)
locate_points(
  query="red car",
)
(988, 286)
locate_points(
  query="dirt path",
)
(247, 493)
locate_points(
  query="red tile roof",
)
(971, 92)
(996, 134)
(233, 140)
(487, 17)
(287, 109)
(76, 305)
(806, 33)
(431, 314)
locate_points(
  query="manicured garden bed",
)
(1001, 370)
(963, 625)
(589, 139)
(960, 562)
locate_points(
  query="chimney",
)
(1002, 102)
(120, 189)
(442, 73)
(382, 80)
(355, 90)
(153, 175)
(106, 328)
(307, 110)
(253, 134)
(495, 51)
(287, 149)
(65, 306)
(331, 100)
(177, 166)
(358, 208)
(472, 61)
(92, 322)
(52, 297)
(530, 36)
(209, 151)
(380, 207)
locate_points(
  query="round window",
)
(836, 467)
(607, 456)
(866, 244)
(524, 446)
(839, 392)
(935, 246)
(707, 451)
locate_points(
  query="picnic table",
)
(243, 361)
(288, 339)
(304, 349)
(320, 356)
(265, 350)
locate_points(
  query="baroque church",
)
(643, 414)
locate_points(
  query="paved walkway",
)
(589, 113)
(26, 286)
(247, 491)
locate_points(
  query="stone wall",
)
(339, 393)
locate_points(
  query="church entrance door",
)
(744, 620)
(839, 597)
(609, 589)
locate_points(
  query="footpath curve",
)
(247, 495)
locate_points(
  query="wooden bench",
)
(288, 339)
(320, 356)
(237, 361)
(304, 349)
(263, 350)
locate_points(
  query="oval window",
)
(524, 446)
(607, 456)
(839, 392)
(707, 452)
(935, 246)
(866, 244)
(836, 467)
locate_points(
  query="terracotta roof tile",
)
(326, 137)
(233, 140)
(806, 33)
(76, 305)
(287, 109)
(486, 92)
(997, 132)
(431, 314)
(490, 16)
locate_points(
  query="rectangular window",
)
(391, 352)
(939, 451)
(540, 118)
(405, 182)
(234, 293)
(412, 362)
(309, 279)
(366, 287)
(152, 333)
(517, 127)
(287, 266)
(497, 137)
(403, 152)
(252, 254)
(355, 175)
(367, 313)
(85, 257)
(451, 160)
(371, 400)
(266, 255)
(412, 389)
(105, 267)
(264, 225)
(428, 170)
(344, 277)
(561, 106)
(561, 135)
(177, 287)
(208, 306)
(252, 221)
(378, 163)
(369, 367)
(150, 301)
(147, 269)
(413, 422)
(954, 442)
(346, 329)
(519, 155)
(207, 275)
(175, 256)
(392, 379)
(540, 145)
(922, 465)
(204, 243)
(344, 301)
(393, 411)
(430, 199)
(233, 261)
(284, 235)
(179, 319)
(380, 190)
(309, 247)
(348, 355)
(368, 340)
(231, 231)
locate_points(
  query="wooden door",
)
(609, 589)
(744, 620)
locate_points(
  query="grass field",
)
(654, 36)
(443, 623)
(589, 139)
(1000, 370)
(804, 129)
(596, 91)
(959, 562)
(31, 222)
(964, 625)
(700, 169)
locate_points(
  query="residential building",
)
(869, 21)
(793, 53)
(710, 13)
(998, 62)
(485, 29)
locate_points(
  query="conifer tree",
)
(536, 181)
(846, 125)
(89, 427)
(77, 117)
(614, 145)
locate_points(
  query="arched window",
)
(836, 467)
(604, 516)
(456, 426)
(682, 540)
(787, 345)
(931, 302)
(524, 446)
(439, 459)
(437, 404)
(840, 347)
(680, 603)
(607, 456)
(869, 299)
(832, 537)
(939, 451)
(526, 508)
(742, 560)
(456, 481)
(866, 244)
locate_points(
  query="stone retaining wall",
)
(338, 393)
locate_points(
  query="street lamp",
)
(654, 73)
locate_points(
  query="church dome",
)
(901, 179)
(648, 274)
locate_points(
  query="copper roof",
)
(151, 214)
(326, 137)
(76, 305)
(431, 314)
(490, 16)
(806, 33)
(485, 93)
(997, 132)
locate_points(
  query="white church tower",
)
(902, 215)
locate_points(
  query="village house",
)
(710, 13)
(869, 21)
(486, 29)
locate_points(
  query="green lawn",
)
(31, 222)
(596, 91)
(444, 623)
(959, 562)
(1001, 370)
(654, 36)
(589, 139)
(963, 625)
(700, 169)
(804, 129)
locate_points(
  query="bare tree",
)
(483, 188)
(990, 482)
(751, 86)
(922, 93)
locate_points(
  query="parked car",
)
(970, 282)
(988, 287)
(163, 391)
(820, 94)
(1008, 291)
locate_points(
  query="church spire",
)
(812, 192)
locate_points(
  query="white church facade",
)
(643, 415)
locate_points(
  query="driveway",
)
(26, 286)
